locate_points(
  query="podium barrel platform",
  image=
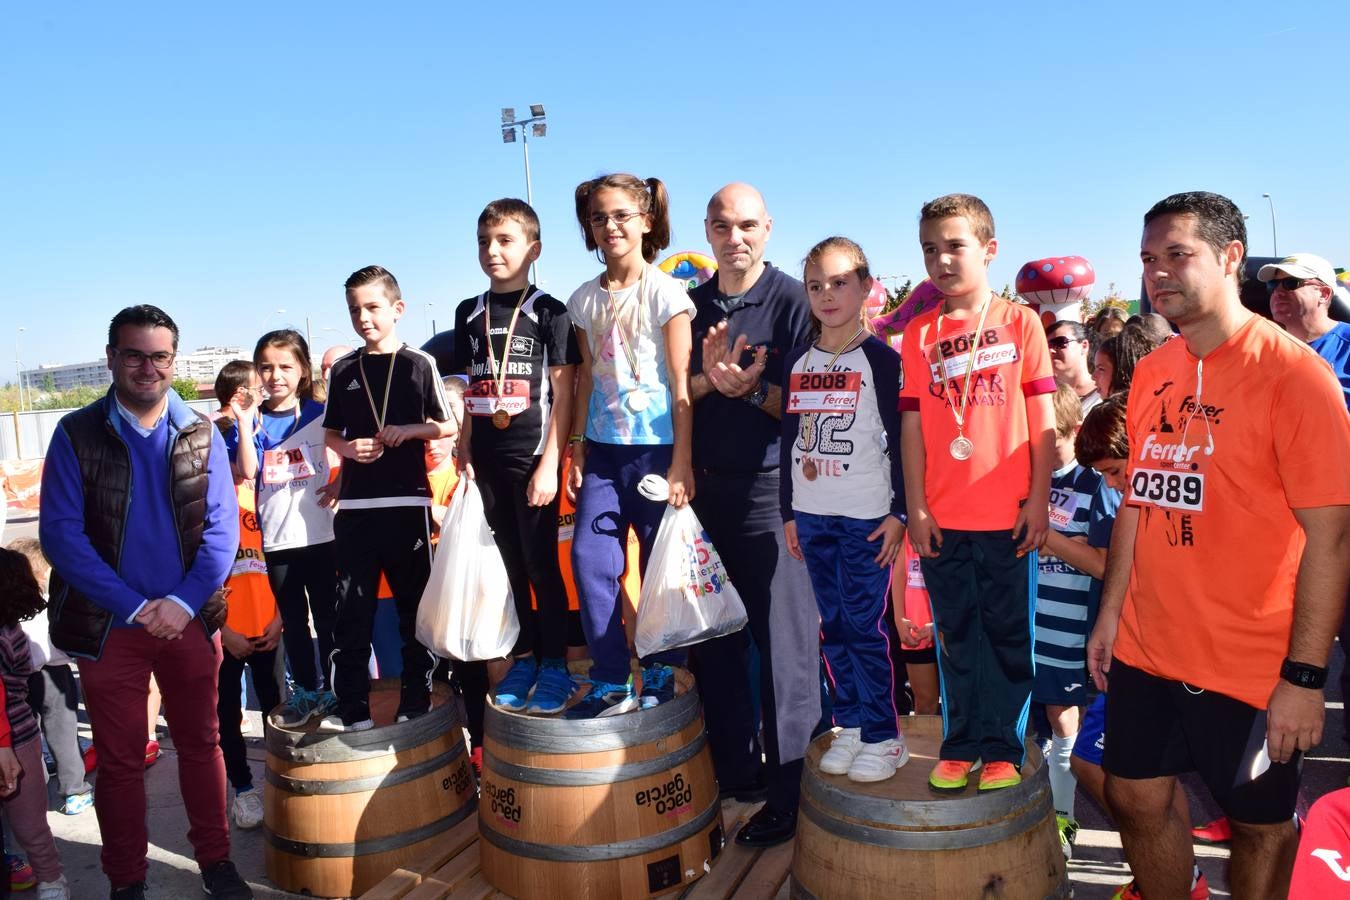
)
(619, 807)
(343, 810)
(898, 838)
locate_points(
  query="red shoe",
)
(90, 759)
(1131, 891)
(21, 876)
(1216, 832)
(152, 752)
(476, 757)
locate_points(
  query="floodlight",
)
(540, 129)
(508, 115)
(508, 135)
(536, 109)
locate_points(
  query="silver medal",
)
(961, 447)
(636, 400)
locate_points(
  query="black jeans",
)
(304, 581)
(263, 665)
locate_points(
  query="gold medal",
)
(809, 468)
(500, 419)
(961, 447)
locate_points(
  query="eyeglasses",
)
(134, 359)
(1059, 343)
(622, 217)
(1289, 283)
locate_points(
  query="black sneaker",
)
(658, 685)
(412, 703)
(349, 716)
(130, 892)
(222, 880)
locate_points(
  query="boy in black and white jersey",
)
(384, 402)
(520, 354)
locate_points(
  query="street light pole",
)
(1275, 244)
(535, 125)
(18, 365)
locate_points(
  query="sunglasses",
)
(1059, 343)
(1289, 283)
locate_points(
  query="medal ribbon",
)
(629, 345)
(499, 377)
(370, 398)
(960, 417)
(806, 367)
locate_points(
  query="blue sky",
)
(225, 161)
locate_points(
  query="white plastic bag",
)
(467, 611)
(686, 595)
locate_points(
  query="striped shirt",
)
(16, 664)
(1066, 599)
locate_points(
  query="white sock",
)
(1195, 874)
(1062, 783)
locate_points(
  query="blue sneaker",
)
(513, 691)
(303, 706)
(553, 689)
(604, 699)
(658, 685)
(75, 804)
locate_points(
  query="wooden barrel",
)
(620, 807)
(341, 811)
(898, 838)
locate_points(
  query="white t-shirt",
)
(847, 447)
(611, 418)
(292, 465)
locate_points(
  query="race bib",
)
(1063, 505)
(1168, 488)
(812, 392)
(914, 576)
(950, 359)
(283, 466)
(481, 398)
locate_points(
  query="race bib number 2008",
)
(1169, 488)
(810, 392)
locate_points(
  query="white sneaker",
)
(54, 890)
(846, 745)
(247, 810)
(877, 762)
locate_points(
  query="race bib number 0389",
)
(1169, 488)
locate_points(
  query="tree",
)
(185, 388)
(1112, 298)
(48, 383)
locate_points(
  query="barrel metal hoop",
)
(315, 786)
(536, 735)
(348, 746)
(494, 765)
(310, 850)
(989, 806)
(617, 850)
(798, 891)
(957, 839)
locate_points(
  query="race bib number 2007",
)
(1169, 488)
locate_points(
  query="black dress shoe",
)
(767, 828)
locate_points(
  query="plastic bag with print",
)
(467, 610)
(686, 594)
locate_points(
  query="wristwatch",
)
(757, 397)
(1302, 674)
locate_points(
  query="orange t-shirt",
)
(1211, 593)
(1012, 362)
(907, 581)
(250, 606)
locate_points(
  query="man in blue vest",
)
(139, 520)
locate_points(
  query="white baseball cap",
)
(1300, 265)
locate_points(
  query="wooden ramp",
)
(450, 868)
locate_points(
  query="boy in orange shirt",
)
(977, 440)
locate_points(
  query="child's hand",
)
(245, 411)
(912, 637)
(271, 636)
(794, 547)
(10, 770)
(438, 514)
(574, 478)
(924, 534)
(236, 644)
(1032, 525)
(327, 495)
(366, 450)
(543, 486)
(394, 435)
(680, 476)
(892, 533)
